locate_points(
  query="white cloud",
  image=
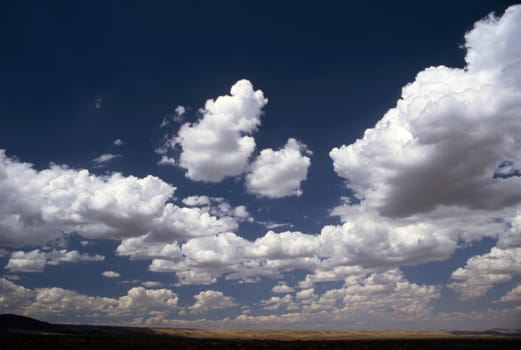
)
(241, 213)
(13, 296)
(58, 303)
(141, 301)
(151, 284)
(177, 117)
(118, 142)
(196, 201)
(484, 51)
(36, 260)
(104, 159)
(414, 174)
(376, 300)
(512, 296)
(33, 261)
(282, 288)
(110, 274)
(483, 271)
(218, 206)
(286, 245)
(144, 248)
(217, 145)
(98, 102)
(37, 206)
(277, 174)
(306, 295)
(211, 300)
(276, 303)
(448, 134)
(433, 171)
(270, 225)
(388, 292)
(180, 110)
(165, 160)
(203, 260)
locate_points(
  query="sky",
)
(222, 164)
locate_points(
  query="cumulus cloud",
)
(104, 159)
(151, 284)
(36, 260)
(282, 288)
(211, 300)
(203, 260)
(277, 174)
(360, 246)
(196, 201)
(512, 296)
(276, 303)
(483, 271)
(386, 294)
(110, 274)
(218, 145)
(438, 168)
(374, 300)
(145, 247)
(57, 303)
(37, 206)
(218, 206)
(448, 134)
(13, 296)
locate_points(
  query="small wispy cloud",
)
(165, 160)
(110, 274)
(118, 142)
(104, 159)
(176, 117)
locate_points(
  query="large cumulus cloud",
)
(37, 206)
(443, 165)
(448, 134)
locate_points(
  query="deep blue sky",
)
(330, 70)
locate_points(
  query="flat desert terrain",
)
(18, 332)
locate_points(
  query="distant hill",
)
(505, 331)
(12, 321)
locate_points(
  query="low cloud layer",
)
(53, 303)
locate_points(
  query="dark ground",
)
(18, 332)
(81, 342)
